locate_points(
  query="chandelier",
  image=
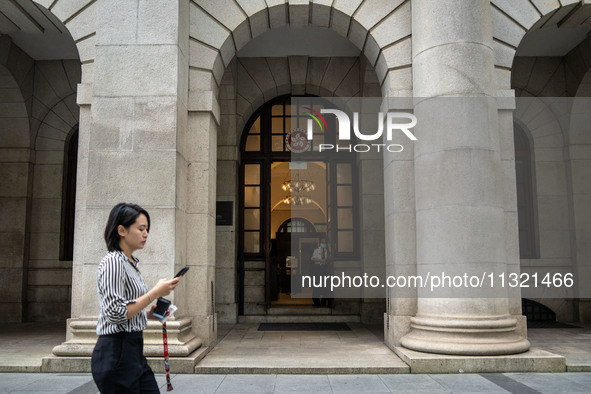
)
(298, 186)
(295, 187)
(297, 200)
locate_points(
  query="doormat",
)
(549, 324)
(304, 327)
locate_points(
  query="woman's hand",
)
(165, 286)
(150, 313)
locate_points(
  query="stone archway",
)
(222, 31)
(248, 82)
(580, 169)
(512, 20)
(48, 87)
(48, 90)
(218, 33)
(539, 77)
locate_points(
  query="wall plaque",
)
(223, 213)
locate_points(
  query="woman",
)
(118, 363)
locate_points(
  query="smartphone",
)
(182, 271)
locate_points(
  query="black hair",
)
(124, 214)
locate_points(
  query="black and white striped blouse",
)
(119, 283)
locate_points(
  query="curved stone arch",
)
(13, 112)
(511, 20)
(54, 97)
(20, 72)
(57, 124)
(580, 118)
(79, 17)
(256, 81)
(584, 89)
(218, 31)
(544, 120)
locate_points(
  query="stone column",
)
(227, 190)
(460, 219)
(133, 127)
(371, 202)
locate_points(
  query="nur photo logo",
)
(393, 121)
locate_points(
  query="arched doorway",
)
(41, 70)
(289, 201)
(547, 72)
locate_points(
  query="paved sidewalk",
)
(25, 344)
(526, 383)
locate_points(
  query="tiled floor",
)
(245, 347)
(572, 343)
(25, 344)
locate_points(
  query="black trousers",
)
(119, 365)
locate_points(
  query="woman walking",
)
(118, 363)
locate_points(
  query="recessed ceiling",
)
(552, 41)
(36, 31)
(312, 41)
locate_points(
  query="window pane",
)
(252, 219)
(251, 242)
(296, 227)
(317, 128)
(344, 173)
(256, 127)
(252, 174)
(252, 196)
(318, 139)
(253, 143)
(345, 196)
(277, 143)
(345, 241)
(277, 110)
(277, 125)
(345, 218)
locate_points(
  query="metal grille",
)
(534, 311)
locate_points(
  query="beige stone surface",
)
(247, 350)
(299, 12)
(321, 13)
(532, 360)
(278, 12)
(178, 151)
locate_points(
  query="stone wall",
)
(54, 119)
(39, 114)
(16, 71)
(555, 173)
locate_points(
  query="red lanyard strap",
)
(166, 366)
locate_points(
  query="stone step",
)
(310, 370)
(534, 360)
(295, 310)
(299, 318)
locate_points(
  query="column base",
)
(486, 336)
(534, 360)
(70, 364)
(82, 337)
